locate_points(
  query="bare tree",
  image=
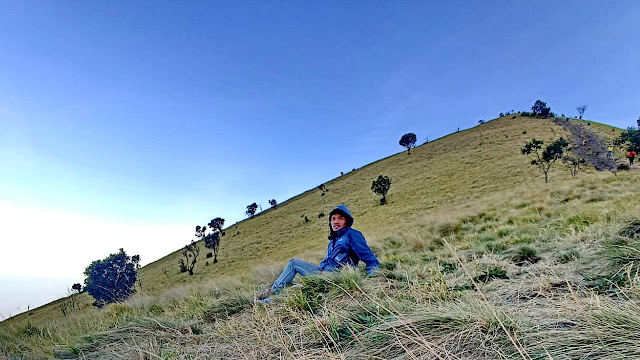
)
(581, 110)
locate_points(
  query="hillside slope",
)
(481, 258)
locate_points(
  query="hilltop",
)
(481, 259)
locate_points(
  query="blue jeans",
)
(295, 266)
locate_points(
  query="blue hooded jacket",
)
(347, 246)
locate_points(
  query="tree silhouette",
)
(111, 279)
(581, 110)
(190, 253)
(273, 203)
(408, 140)
(381, 186)
(212, 241)
(216, 224)
(540, 108)
(251, 209)
(547, 157)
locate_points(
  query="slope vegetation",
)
(481, 260)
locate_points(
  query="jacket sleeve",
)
(359, 246)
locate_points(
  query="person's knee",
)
(294, 261)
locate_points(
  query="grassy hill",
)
(481, 260)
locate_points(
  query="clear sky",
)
(127, 123)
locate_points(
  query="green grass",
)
(480, 260)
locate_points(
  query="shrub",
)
(320, 215)
(209, 254)
(251, 209)
(111, 279)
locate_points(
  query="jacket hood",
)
(344, 211)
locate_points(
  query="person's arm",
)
(359, 246)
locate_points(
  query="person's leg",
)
(295, 266)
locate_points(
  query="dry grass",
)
(462, 213)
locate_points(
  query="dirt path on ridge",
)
(588, 145)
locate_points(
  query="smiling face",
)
(338, 222)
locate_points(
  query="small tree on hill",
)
(547, 157)
(200, 231)
(408, 140)
(216, 225)
(251, 209)
(77, 287)
(212, 241)
(630, 139)
(111, 279)
(323, 189)
(381, 186)
(573, 163)
(540, 108)
(190, 253)
(581, 110)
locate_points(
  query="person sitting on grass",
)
(347, 246)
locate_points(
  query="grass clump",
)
(317, 289)
(492, 273)
(568, 256)
(228, 306)
(525, 255)
(631, 230)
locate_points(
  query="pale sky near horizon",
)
(125, 124)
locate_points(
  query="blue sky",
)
(141, 119)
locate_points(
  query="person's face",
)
(338, 222)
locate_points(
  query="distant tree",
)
(201, 231)
(638, 122)
(544, 159)
(251, 209)
(540, 108)
(190, 253)
(581, 110)
(212, 241)
(111, 279)
(408, 140)
(381, 186)
(322, 188)
(70, 302)
(480, 122)
(216, 225)
(630, 139)
(573, 163)
(136, 260)
(273, 203)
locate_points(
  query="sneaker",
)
(266, 294)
